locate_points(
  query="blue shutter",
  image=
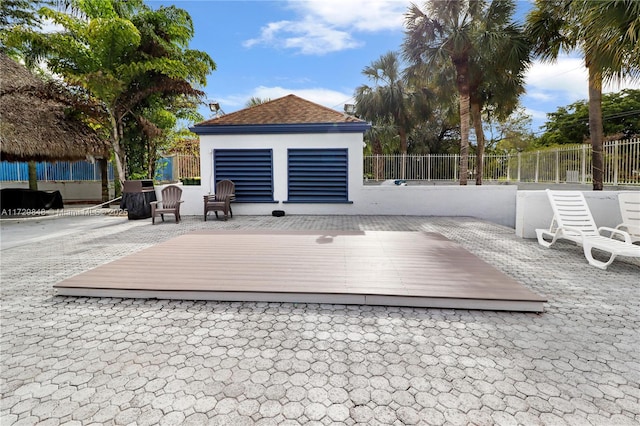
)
(250, 169)
(318, 175)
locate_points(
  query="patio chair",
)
(572, 220)
(170, 203)
(630, 211)
(221, 200)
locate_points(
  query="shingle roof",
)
(289, 109)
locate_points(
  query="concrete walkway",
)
(146, 362)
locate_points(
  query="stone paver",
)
(66, 360)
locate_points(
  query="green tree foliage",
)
(382, 138)
(438, 36)
(497, 69)
(19, 13)
(439, 132)
(607, 32)
(390, 99)
(255, 100)
(132, 58)
(166, 99)
(434, 136)
(510, 134)
(478, 43)
(570, 124)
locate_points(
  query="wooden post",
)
(33, 176)
(104, 180)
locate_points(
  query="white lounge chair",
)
(630, 211)
(572, 221)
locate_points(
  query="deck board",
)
(372, 267)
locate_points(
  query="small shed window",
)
(318, 175)
(250, 169)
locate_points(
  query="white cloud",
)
(539, 96)
(538, 118)
(565, 81)
(558, 84)
(327, 97)
(324, 26)
(307, 37)
(232, 102)
(625, 84)
(48, 26)
(536, 114)
(361, 15)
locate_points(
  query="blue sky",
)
(317, 49)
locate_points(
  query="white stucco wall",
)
(492, 202)
(534, 211)
(501, 204)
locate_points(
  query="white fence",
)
(570, 164)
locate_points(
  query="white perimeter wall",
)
(501, 204)
(492, 203)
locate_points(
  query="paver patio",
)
(67, 360)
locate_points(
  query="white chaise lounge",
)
(630, 212)
(572, 220)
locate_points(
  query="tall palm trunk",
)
(462, 81)
(596, 130)
(477, 124)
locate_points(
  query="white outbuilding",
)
(288, 153)
(294, 155)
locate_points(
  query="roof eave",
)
(259, 129)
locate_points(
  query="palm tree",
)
(607, 32)
(479, 43)
(497, 69)
(381, 138)
(390, 98)
(255, 101)
(440, 35)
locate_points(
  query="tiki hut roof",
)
(35, 120)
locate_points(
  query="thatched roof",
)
(35, 123)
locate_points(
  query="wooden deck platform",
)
(373, 268)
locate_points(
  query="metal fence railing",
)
(570, 164)
(176, 167)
